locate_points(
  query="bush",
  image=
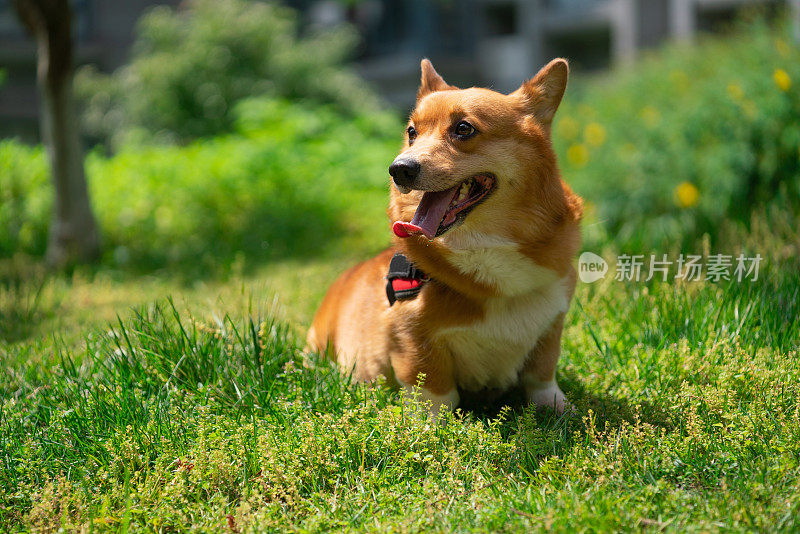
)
(689, 137)
(25, 198)
(281, 185)
(190, 66)
(664, 153)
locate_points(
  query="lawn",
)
(165, 389)
(201, 411)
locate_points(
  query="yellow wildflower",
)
(651, 116)
(568, 128)
(595, 134)
(735, 91)
(782, 79)
(686, 195)
(578, 154)
(679, 79)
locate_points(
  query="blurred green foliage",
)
(688, 142)
(191, 65)
(25, 198)
(281, 185)
(689, 137)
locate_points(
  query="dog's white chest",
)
(490, 353)
(497, 262)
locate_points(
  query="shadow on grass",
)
(608, 410)
(24, 304)
(539, 434)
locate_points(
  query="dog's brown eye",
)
(464, 129)
(412, 134)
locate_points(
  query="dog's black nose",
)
(404, 171)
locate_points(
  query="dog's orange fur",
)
(492, 314)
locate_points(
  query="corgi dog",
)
(477, 205)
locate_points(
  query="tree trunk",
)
(73, 232)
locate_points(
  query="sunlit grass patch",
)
(686, 418)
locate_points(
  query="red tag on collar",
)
(404, 281)
(400, 284)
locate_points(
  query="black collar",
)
(404, 281)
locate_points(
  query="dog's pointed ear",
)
(430, 81)
(542, 93)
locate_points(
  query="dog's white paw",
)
(548, 394)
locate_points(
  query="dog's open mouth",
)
(439, 211)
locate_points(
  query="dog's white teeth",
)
(463, 192)
(403, 189)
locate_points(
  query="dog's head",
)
(475, 159)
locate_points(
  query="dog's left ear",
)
(430, 80)
(543, 92)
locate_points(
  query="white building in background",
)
(620, 28)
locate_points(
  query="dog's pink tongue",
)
(429, 215)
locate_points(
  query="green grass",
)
(687, 419)
(123, 409)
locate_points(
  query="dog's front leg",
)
(431, 374)
(538, 376)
